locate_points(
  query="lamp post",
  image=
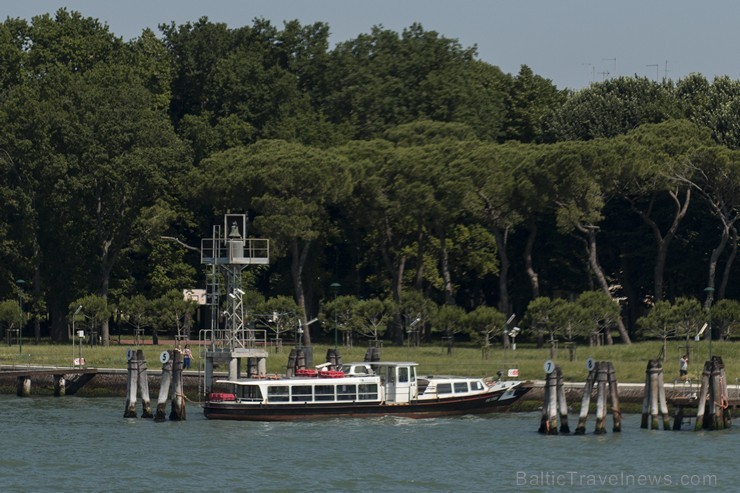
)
(710, 297)
(335, 287)
(74, 316)
(20, 283)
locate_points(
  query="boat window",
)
(277, 393)
(403, 374)
(391, 374)
(301, 393)
(461, 387)
(444, 388)
(368, 391)
(249, 392)
(324, 392)
(476, 386)
(346, 392)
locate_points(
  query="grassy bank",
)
(629, 361)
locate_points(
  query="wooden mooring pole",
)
(131, 387)
(137, 383)
(178, 396)
(654, 401)
(554, 404)
(603, 375)
(143, 383)
(713, 412)
(164, 389)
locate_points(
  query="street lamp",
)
(74, 316)
(20, 283)
(710, 297)
(335, 287)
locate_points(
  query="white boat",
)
(360, 390)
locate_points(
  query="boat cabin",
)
(356, 382)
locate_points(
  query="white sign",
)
(164, 357)
(549, 366)
(129, 354)
(196, 295)
(590, 364)
(513, 372)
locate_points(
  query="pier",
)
(62, 385)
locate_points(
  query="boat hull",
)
(433, 408)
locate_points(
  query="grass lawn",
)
(629, 361)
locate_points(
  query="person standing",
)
(187, 355)
(683, 367)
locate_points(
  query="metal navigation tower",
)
(228, 252)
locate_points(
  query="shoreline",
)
(112, 382)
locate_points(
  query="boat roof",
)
(382, 363)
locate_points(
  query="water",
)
(73, 444)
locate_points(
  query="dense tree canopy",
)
(398, 165)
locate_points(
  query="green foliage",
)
(370, 317)
(174, 314)
(280, 315)
(9, 314)
(94, 313)
(725, 316)
(106, 146)
(541, 319)
(485, 323)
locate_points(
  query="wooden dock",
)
(63, 384)
(690, 403)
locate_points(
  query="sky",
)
(570, 42)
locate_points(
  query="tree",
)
(96, 310)
(716, 177)
(370, 317)
(280, 314)
(450, 320)
(9, 316)
(137, 311)
(657, 158)
(661, 321)
(540, 318)
(585, 177)
(530, 98)
(489, 172)
(485, 324)
(174, 314)
(340, 310)
(725, 317)
(602, 312)
(610, 108)
(290, 187)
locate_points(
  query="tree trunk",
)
(298, 262)
(419, 278)
(663, 242)
(728, 265)
(503, 283)
(395, 268)
(503, 278)
(445, 267)
(593, 260)
(534, 279)
(713, 260)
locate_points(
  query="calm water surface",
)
(75, 444)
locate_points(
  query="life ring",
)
(221, 397)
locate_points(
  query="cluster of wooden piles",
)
(170, 388)
(601, 375)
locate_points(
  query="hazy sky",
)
(571, 42)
